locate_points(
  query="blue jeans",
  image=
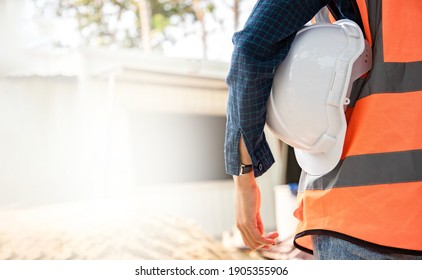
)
(332, 248)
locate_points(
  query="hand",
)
(248, 216)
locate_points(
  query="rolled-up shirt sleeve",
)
(262, 44)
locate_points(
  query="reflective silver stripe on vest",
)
(391, 78)
(373, 169)
(385, 77)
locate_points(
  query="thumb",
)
(272, 235)
(259, 224)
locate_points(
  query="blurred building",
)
(96, 123)
(83, 124)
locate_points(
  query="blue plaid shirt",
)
(262, 44)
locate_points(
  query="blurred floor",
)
(112, 230)
(105, 230)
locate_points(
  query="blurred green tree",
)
(131, 23)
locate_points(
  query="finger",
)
(248, 237)
(257, 238)
(245, 236)
(253, 245)
(272, 235)
(255, 234)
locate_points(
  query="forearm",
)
(245, 158)
(246, 180)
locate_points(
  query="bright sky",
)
(219, 36)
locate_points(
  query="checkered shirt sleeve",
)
(262, 44)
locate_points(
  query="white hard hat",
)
(311, 90)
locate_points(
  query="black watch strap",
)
(244, 169)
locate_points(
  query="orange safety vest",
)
(374, 195)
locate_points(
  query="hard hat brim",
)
(319, 164)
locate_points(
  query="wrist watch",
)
(244, 169)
